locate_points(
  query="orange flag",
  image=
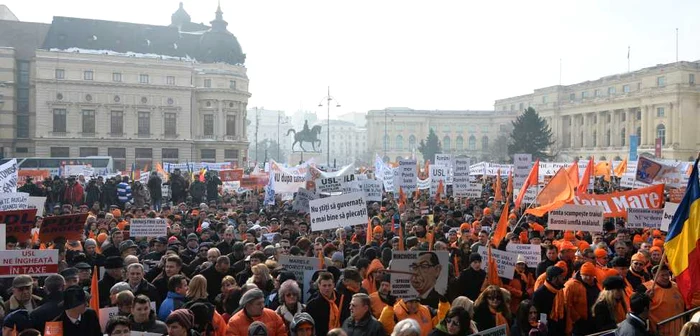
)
(603, 169)
(393, 228)
(556, 193)
(402, 196)
(369, 232)
(401, 246)
(492, 277)
(502, 227)
(95, 292)
(498, 196)
(586, 178)
(532, 180)
(509, 187)
(573, 173)
(621, 168)
(322, 260)
(439, 191)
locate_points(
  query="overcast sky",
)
(418, 54)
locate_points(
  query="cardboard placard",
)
(437, 174)
(669, 211)
(37, 202)
(505, 261)
(20, 223)
(148, 227)
(407, 176)
(13, 201)
(70, 227)
(522, 164)
(531, 253)
(419, 273)
(301, 200)
(303, 268)
(572, 217)
(30, 262)
(338, 211)
(644, 218)
(372, 190)
(9, 176)
(460, 176)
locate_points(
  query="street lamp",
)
(328, 98)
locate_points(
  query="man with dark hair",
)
(471, 279)
(636, 322)
(253, 259)
(143, 318)
(171, 267)
(323, 304)
(214, 274)
(552, 253)
(49, 310)
(361, 322)
(350, 285)
(547, 300)
(114, 267)
(177, 289)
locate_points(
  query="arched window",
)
(639, 134)
(595, 138)
(607, 138)
(399, 142)
(446, 144)
(661, 133)
(472, 143)
(411, 142)
(386, 142)
(484, 143)
(460, 143)
(623, 137)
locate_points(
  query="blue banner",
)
(634, 143)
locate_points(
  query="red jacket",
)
(73, 194)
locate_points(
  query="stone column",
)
(646, 115)
(671, 133)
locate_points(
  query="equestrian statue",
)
(306, 135)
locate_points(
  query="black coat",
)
(109, 194)
(104, 286)
(368, 326)
(48, 311)
(604, 317)
(320, 310)
(542, 266)
(161, 285)
(92, 194)
(89, 324)
(151, 326)
(543, 299)
(155, 185)
(343, 300)
(470, 282)
(149, 290)
(631, 327)
(214, 278)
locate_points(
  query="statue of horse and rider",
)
(306, 135)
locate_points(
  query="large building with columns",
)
(138, 93)
(597, 117)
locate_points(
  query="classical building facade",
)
(139, 93)
(348, 143)
(396, 132)
(597, 117)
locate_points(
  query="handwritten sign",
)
(372, 190)
(338, 211)
(30, 262)
(37, 202)
(13, 201)
(70, 227)
(301, 200)
(148, 227)
(576, 218)
(302, 267)
(522, 164)
(8, 176)
(531, 253)
(505, 261)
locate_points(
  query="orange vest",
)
(423, 317)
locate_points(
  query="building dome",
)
(219, 45)
(180, 17)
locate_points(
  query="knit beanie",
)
(250, 295)
(257, 328)
(183, 317)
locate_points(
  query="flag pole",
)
(656, 275)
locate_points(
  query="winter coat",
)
(239, 323)
(140, 196)
(155, 187)
(172, 302)
(631, 327)
(213, 188)
(48, 311)
(369, 283)
(89, 324)
(74, 194)
(197, 190)
(109, 194)
(368, 326)
(146, 288)
(151, 326)
(104, 286)
(286, 315)
(92, 194)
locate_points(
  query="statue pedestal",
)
(298, 157)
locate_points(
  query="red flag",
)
(532, 179)
(498, 196)
(586, 178)
(95, 292)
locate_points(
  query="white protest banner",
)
(230, 186)
(474, 190)
(572, 217)
(407, 176)
(148, 227)
(639, 218)
(37, 202)
(30, 262)
(437, 174)
(388, 174)
(288, 180)
(73, 170)
(531, 253)
(460, 176)
(505, 261)
(443, 160)
(14, 201)
(8, 176)
(419, 274)
(338, 211)
(301, 266)
(495, 331)
(669, 211)
(361, 177)
(337, 184)
(423, 184)
(522, 163)
(372, 190)
(301, 200)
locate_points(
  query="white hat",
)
(520, 259)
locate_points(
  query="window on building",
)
(572, 96)
(661, 133)
(88, 121)
(116, 123)
(143, 78)
(623, 116)
(446, 144)
(399, 143)
(595, 118)
(626, 88)
(23, 126)
(88, 151)
(208, 124)
(60, 74)
(119, 157)
(472, 143)
(144, 124)
(208, 154)
(459, 144)
(116, 76)
(484, 143)
(207, 83)
(660, 112)
(623, 137)
(608, 139)
(484, 128)
(88, 75)
(60, 151)
(170, 124)
(584, 94)
(232, 85)
(170, 154)
(411, 142)
(639, 134)
(230, 154)
(23, 150)
(231, 125)
(59, 120)
(595, 138)
(472, 128)
(639, 114)
(611, 91)
(520, 106)
(581, 138)
(502, 128)
(596, 92)
(22, 100)
(609, 117)
(544, 99)
(170, 80)
(691, 79)
(661, 81)
(23, 74)
(144, 158)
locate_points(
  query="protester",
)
(290, 305)
(636, 322)
(457, 322)
(491, 309)
(322, 306)
(118, 325)
(610, 308)
(666, 301)
(143, 318)
(253, 309)
(76, 317)
(361, 322)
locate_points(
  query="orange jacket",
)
(576, 303)
(239, 323)
(517, 292)
(665, 302)
(369, 283)
(540, 280)
(219, 324)
(376, 304)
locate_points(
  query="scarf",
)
(287, 314)
(500, 319)
(334, 316)
(557, 313)
(354, 288)
(639, 276)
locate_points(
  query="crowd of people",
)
(218, 270)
